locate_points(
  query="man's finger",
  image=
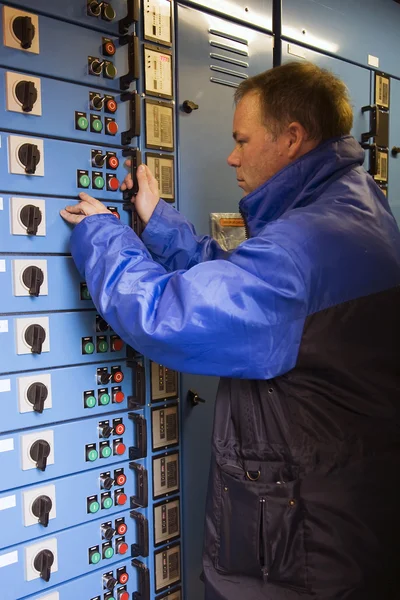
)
(127, 183)
(142, 177)
(70, 218)
(85, 197)
(83, 208)
(128, 163)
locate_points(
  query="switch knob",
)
(188, 106)
(39, 452)
(108, 533)
(93, 8)
(43, 562)
(105, 431)
(101, 324)
(41, 508)
(103, 377)
(99, 159)
(35, 335)
(31, 217)
(97, 102)
(37, 394)
(29, 156)
(106, 482)
(96, 66)
(24, 30)
(26, 93)
(108, 13)
(33, 278)
(109, 582)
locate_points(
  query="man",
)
(302, 321)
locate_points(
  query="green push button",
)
(95, 558)
(104, 399)
(83, 123)
(84, 181)
(98, 182)
(97, 125)
(94, 507)
(92, 455)
(108, 552)
(107, 503)
(85, 294)
(106, 452)
(90, 402)
(102, 346)
(88, 348)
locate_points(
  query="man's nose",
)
(233, 159)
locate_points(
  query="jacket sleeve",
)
(241, 317)
(173, 242)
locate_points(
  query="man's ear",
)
(298, 141)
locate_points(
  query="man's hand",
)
(87, 206)
(148, 195)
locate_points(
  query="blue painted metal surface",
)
(64, 159)
(60, 100)
(65, 333)
(68, 386)
(68, 450)
(64, 52)
(254, 12)
(346, 28)
(206, 184)
(57, 231)
(72, 555)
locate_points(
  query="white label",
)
(8, 502)
(158, 74)
(157, 20)
(2, 266)
(1, 204)
(373, 61)
(3, 326)
(7, 445)
(8, 559)
(5, 385)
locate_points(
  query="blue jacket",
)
(302, 322)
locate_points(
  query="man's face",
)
(257, 156)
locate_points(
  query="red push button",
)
(118, 376)
(123, 578)
(109, 49)
(113, 184)
(112, 127)
(122, 548)
(123, 596)
(118, 398)
(121, 530)
(119, 429)
(112, 162)
(111, 105)
(121, 499)
(121, 480)
(117, 344)
(119, 449)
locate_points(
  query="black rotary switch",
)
(29, 156)
(37, 395)
(105, 430)
(93, 8)
(106, 482)
(24, 30)
(26, 93)
(101, 325)
(33, 278)
(96, 66)
(34, 337)
(31, 217)
(41, 508)
(188, 106)
(103, 377)
(39, 452)
(97, 102)
(109, 582)
(108, 533)
(194, 398)
(43, 563)
(99, 159)
(107, 12)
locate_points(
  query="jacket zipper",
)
(263, 546)
(246, 228)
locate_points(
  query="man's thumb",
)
(141, 175)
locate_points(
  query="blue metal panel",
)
(357, 80)
(64, 51)
(68, 449)
(347, 28)
(61, 161)
(59, 116)
(68, 386)
(254, 12)
(58, 232)
(75, 10)
(91, 586)
(72, 550)
(205, 143)
(70, 504)
(394, 140)
(66, 331)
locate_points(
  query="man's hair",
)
(302, 92)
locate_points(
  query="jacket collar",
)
(300, 183)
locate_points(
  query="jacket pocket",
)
(261, 531)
